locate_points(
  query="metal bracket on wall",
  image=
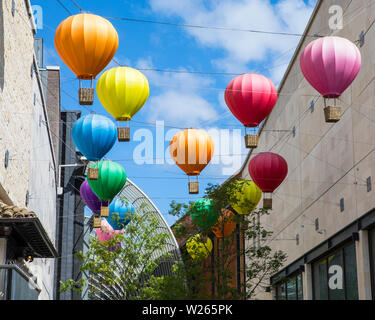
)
(60, 189)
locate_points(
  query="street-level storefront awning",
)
(27, 231)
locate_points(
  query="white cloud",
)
(180, 108)
(180, 101)
(241, 48)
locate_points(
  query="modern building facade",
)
(28, 170)
(323, 214)
(70, 208)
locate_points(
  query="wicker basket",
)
(93, 174)
(97, 222)
(332, 114)
(251, 141)
(123, 134)
(194, 187)
(86, 96)
(267, 204)
(104, 212)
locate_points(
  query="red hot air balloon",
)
(268, 170)
(330, 65)
(251, 98)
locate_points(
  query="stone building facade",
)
(28, 173)
(323, 213)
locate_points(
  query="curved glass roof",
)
(140, 201)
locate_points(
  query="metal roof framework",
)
(141, 202)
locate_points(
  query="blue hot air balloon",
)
(120, 214)
(94, 136)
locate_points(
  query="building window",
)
(372, 259)
(335, 276)
(290, 288)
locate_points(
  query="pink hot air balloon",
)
(106, 232)
(330, 65)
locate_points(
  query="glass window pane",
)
(351, 283)
(292, 289)
(372, 258)
(300, 287)
(283, 292)
(320, 280)
(278, 293)
(21, 289)
(3, 283)
(336, 276)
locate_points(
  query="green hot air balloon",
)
(203, 215)
(111, 180)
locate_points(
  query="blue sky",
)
(184, 100)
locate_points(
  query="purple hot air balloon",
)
(330, 65)
(90, 198)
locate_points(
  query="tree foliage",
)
(261, 261)
(130, 268)
(124, 265)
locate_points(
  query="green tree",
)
(123, 271)
(261, 261)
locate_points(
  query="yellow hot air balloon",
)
(246, 197)
(198, 249)
(123, 91)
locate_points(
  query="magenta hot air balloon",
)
(106, 233)
(330, 65)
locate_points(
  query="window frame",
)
(325, 257)
(284, 282)
(371, 235)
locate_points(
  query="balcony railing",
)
(15, 284)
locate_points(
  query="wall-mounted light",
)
(6, 160)
(342, 205)
(29, 258)
(369, 184)
(312, 106)
(13, 7)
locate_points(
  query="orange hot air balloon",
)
(192, 151)
(86, 43)
(226, 220)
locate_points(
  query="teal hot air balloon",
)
(94, 135)
(120, 214)
(111, 180)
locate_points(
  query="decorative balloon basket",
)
(86, 96)
(194, 187)
(123, 134)
(93, 174)
(332, 114)
(104, 212)
(97, 223)
(267, 203)
(251, 141)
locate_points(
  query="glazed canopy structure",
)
(139, 200)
